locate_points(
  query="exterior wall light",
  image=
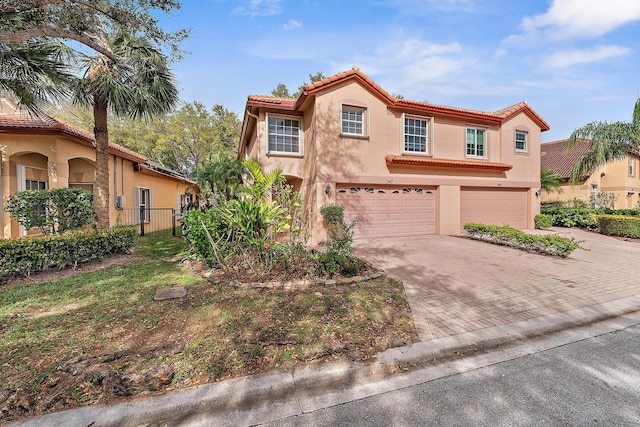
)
(327, 189)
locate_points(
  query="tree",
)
(550, 181)
(34, 72)
(140, 85)
(85, 21)
(608, 142)
(129, 75)
(281, 91)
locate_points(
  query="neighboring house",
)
(622, 177)
(399, 167)
(44, 152)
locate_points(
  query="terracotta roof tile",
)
(393, 160)
(556, 157)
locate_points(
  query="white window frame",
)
(526, 141)
(364, 122)
(485, 142)
(300, 135)
(428, 137)
(138, 203)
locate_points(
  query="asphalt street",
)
(594, 382)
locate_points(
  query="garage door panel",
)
(389, 211)
(494, 206)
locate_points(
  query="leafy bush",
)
(52, 212)
(28, 255)
(548, 244)
(570, 217)
(543, 221)
(573, 203)
(618, 225)
(338, 256)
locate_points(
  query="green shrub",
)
(574, 217)
(618, 225)
(543, 221)
(548, 244)
(52, 212)
(338, 256)
(28, 255)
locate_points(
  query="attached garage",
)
(496, 206)
(386, 211)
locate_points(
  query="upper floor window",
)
(632, 172)
(284, 135)
(353, 120)
(476, 142)
(521, 141)
(416, 134)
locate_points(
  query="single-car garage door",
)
(385, 210)
(494, 206)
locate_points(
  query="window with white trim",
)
(631, 169)
(521, 141)
(353, 120)
(476, 142)
(416, 135)
(284, 134)
(143, 203)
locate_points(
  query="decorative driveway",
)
(455, 285)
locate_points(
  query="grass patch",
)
(99, 336)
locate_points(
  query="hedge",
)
(548, 244)
(28, 255)
(543, 221)
(619, 225)
(586, 218)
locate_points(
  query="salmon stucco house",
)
(620, 178)
(399, 167)
(43, 152)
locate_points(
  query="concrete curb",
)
(275, 395)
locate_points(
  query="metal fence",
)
(151, 221)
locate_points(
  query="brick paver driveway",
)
(455, 285)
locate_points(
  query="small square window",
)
(353, 121)
(521, 141)
(416, 134)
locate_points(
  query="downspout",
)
(249, 113)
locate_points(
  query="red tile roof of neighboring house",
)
(16, 119)
(556, 157)
(355, 73)
(393, 160)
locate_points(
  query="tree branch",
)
(13, 37)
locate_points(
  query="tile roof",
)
(393, 160)
(355, 73)
(14, 118)
(556, 157)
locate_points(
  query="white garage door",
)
(385, 211)
(494, 206)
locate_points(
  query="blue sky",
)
(573, 61)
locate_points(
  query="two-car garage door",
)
(385, 210)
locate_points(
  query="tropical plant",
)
(34, 73)
(139, 85)
(222, 176)
(608, 142)
(550, 181)
(262, 185)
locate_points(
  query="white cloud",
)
(292, 25)
(582, 18)
(259, 8)
(567, 58)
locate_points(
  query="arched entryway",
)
(82, 173)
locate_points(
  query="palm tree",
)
(550, 181)
(263, 184)
(139, 85)
(35, 73)
(608, 142)
(223, 176)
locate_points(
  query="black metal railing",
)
(150, 221)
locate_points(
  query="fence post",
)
(141, 220)
(173, 221)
